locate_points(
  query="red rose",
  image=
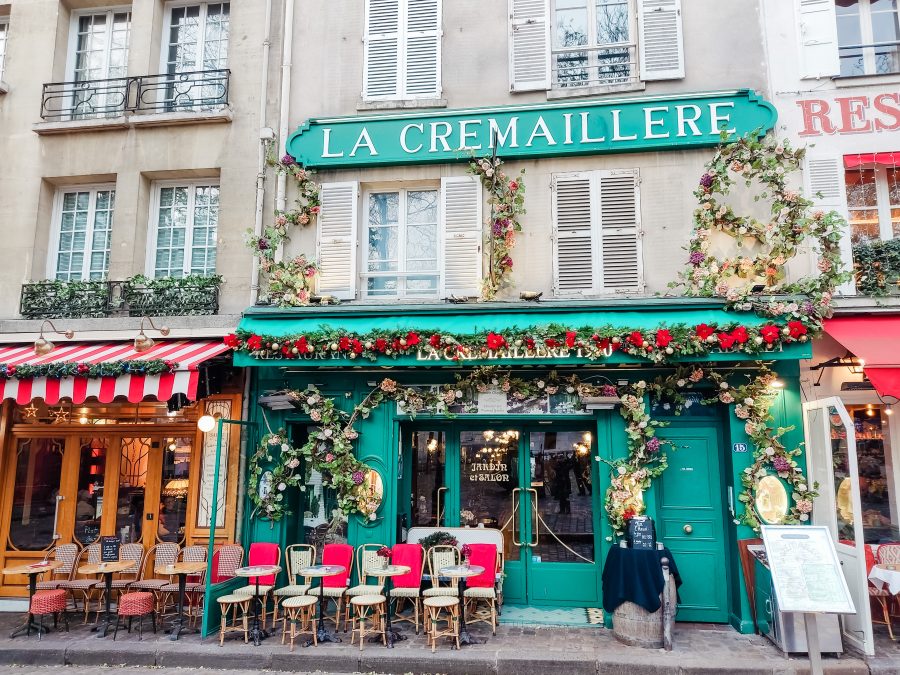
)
(636, 338)
(344, 344)
(796, 329)
(495, 341)
(769, 333)
(435, 340)
(663, 338)
(10, 371)
(570, 338)
(395, 345)
(83, 368)
(356, 345)
(286, 349)
(412, 339)
(232, 340)
(725, 341)
(513, 186)
(628, 514)
(301, 345)
(550, 342)
(254, 342)
(740, 335)
(380, 345)
(602, 343)
(529, 343)
(703, 331)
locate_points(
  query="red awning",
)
(869, 158)
(874, 339)
(187, 353)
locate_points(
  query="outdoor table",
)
(32, 571)
(183, 570)
(258, 633)
(635, 575)
(388, 572)
(886, 577)
(320, 572)
(107, 569)
(462, 572)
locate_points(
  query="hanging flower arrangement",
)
(506, 197)
(57, 371)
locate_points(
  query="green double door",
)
(537, 484)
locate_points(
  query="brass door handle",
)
(535, 524)
(515, 508)
(440, 513)
(688, 529)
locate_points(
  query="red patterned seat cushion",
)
(48, 602)
(136, 604)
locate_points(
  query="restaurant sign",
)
(531, 131)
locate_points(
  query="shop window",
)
(4, 34)
(174, 495)
(91, 479)
(868, 36)
(37, 480)
(593, 43)
(196, 42)
(877, 483)
(428, 479)
(185, 221)
(99, 54)
(83, 225)
(402, 49)
(132, 486)
(873, 199)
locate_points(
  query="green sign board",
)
(531, 131)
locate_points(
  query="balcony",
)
(146, 100)
(137, 296)
(876, 266)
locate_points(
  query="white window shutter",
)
(337, 237)
(620, 231)
(825, 185)
(461, 230)
(529, 45)
(422, 58)
(381, 70)
(660, 39)
(817, 27)
(574, 253)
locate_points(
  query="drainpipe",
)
(284, 120)
(265, 135)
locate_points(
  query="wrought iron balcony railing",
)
(198, 91)
(133, 297)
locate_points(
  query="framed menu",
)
(641, 533)
(806, 572)
(109, 549)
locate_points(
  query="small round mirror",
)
(771, 500)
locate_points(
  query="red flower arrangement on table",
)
(384, 552)
(466, 553)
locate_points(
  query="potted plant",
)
(439, 538)
(384, 556)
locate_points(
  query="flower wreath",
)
(770, 162)
(267, 488)
(507, 202)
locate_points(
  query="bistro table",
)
(885, 577)
(320, 572)
(462, 572)
(258, 633)
(32, 571)
(107, 569)
(183, 570)
(387, 573)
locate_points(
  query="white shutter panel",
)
(337, 237)
(817, 25)
(660, 39)
(529, 45)
(382, 49)
(423, 48)
(620, 230)
(461, 229)
(574, 259)
(825, 177)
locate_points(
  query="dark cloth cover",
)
(634, 575)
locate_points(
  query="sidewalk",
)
(515, 650)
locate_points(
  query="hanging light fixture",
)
(42, 345)
(143, 342)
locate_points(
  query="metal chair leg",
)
(116, 631)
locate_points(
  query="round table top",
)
(886, 576)
(317, 571)
(389, 571)
(182, 568)
(257, 570)
(461, 571)
(34, 568)
(107, 567)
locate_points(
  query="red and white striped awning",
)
(189, 354)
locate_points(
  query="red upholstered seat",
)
(136, 604)
(48, 602)
(337, 554)
(412, 556)
(263, 553)
(483, 555)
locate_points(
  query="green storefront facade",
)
(534, 471)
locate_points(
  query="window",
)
(100, 56)
(402, 49)
(197, 43)
(593, 43)
(868, 36)
(4, 33)
(84, 225)
(873, 199)
(401, 244)
(185, 220)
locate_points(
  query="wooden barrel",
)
(635, 626)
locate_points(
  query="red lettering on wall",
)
(815, 117)
(887, 104)
(853, 110)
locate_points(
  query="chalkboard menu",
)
(641, 533)
(109, 549)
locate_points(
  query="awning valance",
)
(874, 340)
(132, 382)
(869, 158)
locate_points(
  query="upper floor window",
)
(83, 226)
(100, 45)
(4, 32)
(873, 196)
(402, 49)
(184, 226)
(197, 37)
(868, 36)
(585, 44)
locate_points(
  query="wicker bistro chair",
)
(83, 587)
(888, 554)
(226, 560)
(438, 557)
(408, 587)
(135, 553)
(297, 556)
(335, 587)
(194, 589)
(160, 555)
(480, 593)
(65, 554)
(367, 563)
(262, 553)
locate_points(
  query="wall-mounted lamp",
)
(42, 345)
(206, 423)
(777, 384)
(143, 342)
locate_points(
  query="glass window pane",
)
(843, 485)
(861, 190)
(38, 472)
(89, 504)
(174, 495)
(134, 460)
(428, 477)
(612, 21)
(878, 487)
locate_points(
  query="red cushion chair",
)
(483, 555)
(338, 554)
(412, 556)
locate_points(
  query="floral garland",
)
(268, 500)
(770, 162)
(57, 371)
(656, 345)
(507, 202)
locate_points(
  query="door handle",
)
(56, 534)
(688, 529)
(536, 524)
(440, 513)
(515, 508)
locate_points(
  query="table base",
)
(179, 627)
(102, 629)
(392, 637)
(465, 638)
(28, 626)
